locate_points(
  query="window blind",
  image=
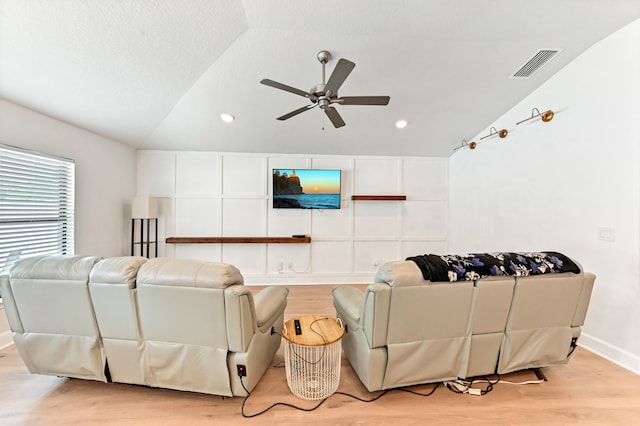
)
(36, 205)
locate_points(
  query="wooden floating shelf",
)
(238, 240)
(379, 197)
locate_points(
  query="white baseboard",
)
(6, 339)
(609, 352)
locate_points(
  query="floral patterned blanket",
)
(468, 267)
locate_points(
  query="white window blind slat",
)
(36, 205)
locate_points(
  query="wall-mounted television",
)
(306, 189)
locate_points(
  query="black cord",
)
(468, 383)
(418, 393)
(284, 404)
(324, 347)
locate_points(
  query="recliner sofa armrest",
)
(583, 303)
(367, 310)
(269, 304)
(10, 305)
(348, 302)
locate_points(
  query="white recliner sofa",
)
(405, 330)
(173, 323)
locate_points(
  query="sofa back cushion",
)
(189, 273)
(52, 296)
(400, 273)
(112, 285)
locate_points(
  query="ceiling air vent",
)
(537, 61)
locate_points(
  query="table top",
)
(317, 330)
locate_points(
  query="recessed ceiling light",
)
(401, 124)
(227, 118)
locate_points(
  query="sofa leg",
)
(539, 374)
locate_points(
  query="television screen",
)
(306, 189)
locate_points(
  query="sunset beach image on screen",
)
(306, 189)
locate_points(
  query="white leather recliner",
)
(405, 330)
(200, 323)
(50, 310)
(173, 323)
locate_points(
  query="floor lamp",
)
(144, 217)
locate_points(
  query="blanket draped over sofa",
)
(469, 267)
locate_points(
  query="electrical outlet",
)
(279, 266)
(242, 370)
(290, 266)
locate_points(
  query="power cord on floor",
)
(285, 404)
(526, 382)
(463, 386)
(466, 386)
(459, 386)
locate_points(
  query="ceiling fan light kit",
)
(326, 93)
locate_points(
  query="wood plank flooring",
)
(587, 391)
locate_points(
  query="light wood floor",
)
(587, 391)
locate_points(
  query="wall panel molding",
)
(214, 194)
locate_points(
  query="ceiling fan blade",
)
(363, 100)
(296, 112)
(284, 87)
(335, 118)
(339, 75)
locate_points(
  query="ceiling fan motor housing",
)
(317, 93)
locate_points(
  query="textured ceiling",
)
(157, 74)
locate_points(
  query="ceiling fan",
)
(325, 94)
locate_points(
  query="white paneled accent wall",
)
(209, 194)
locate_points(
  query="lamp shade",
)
(144, 208)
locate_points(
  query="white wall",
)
(557, 185)
(105, 175)
(205, 194)
(105, 180)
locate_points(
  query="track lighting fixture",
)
(471, 145)
(545, 116)
(492, 132)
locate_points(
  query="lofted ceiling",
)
(157, 74)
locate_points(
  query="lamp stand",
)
(144, 242)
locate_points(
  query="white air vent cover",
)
(537, 61)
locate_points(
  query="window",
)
(36, 205)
